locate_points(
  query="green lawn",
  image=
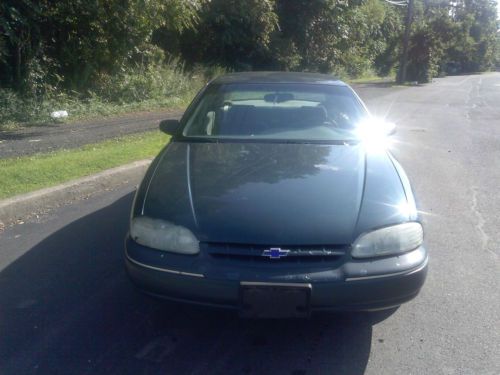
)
(24, 174)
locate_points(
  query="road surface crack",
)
(480, 223)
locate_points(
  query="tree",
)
(475, 49)
(341, 36)
(75, 42)
(233, 33)
(20, 41)
(79, 44)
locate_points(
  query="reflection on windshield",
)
(276, 111)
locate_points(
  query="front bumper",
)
(349, 285)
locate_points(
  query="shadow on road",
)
(67, 307)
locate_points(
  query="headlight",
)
(392, 240)
(163, 235)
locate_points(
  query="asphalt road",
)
(66, 306)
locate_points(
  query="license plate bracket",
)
(273, 300)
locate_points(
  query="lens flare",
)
(374, 133)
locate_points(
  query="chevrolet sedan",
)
(276, 197)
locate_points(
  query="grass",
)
(38, 113)
(24, 174)
(165, 86)
(372, 79)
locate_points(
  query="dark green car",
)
(276, 197)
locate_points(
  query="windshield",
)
(296, 112)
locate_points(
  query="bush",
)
(11, 107)
(15, 108)
(423, 56)
(144, 83)
(137, 88)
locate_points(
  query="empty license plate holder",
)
(274, 300)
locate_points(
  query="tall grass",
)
(137, 88)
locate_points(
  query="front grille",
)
(253, 253)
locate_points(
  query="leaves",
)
(452, 37)
(72, 44)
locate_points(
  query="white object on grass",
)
(59, 114)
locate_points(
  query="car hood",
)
(274, 194)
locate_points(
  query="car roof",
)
(279, 77)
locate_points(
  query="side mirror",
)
(169, 126)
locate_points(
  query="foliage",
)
(233, 33)
(123, 51)
(391, 32)
(76, 41)
(452, 37)
(135, 88)
(497, 52)
(143, 82)
(430, 38)
(474, 47)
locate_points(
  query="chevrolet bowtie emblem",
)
(275, 253)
